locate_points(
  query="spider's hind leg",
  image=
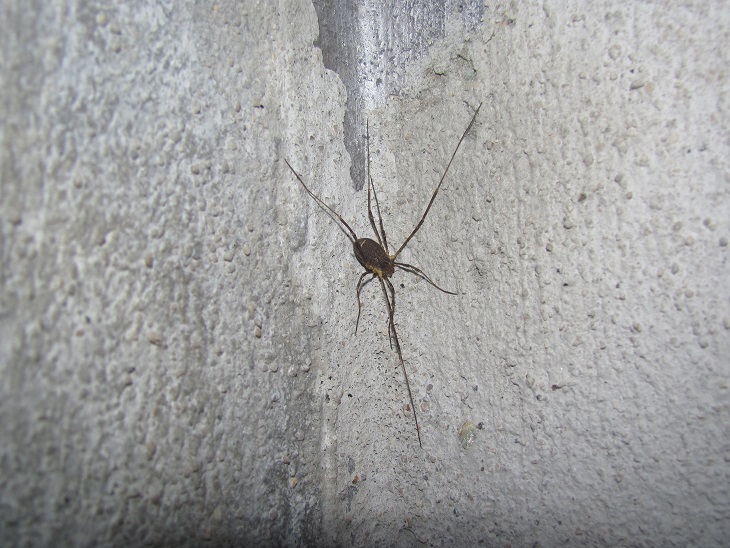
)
(391, 317)
(360, 285)
(391, 313)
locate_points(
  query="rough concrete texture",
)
(177, 355)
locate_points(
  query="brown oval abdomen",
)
(373, 257)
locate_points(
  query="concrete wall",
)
(177, 358)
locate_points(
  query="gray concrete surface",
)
(177, 355)
(370, 44)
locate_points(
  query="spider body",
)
(376, 258)
(371, 255)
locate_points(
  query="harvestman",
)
(375, 256)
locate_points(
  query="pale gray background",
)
(177, 359)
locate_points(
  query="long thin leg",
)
(382, 239)
(420, 273)
(391, 321)
(370, 209)
(327, 209)
(391, 309)
(439, 185)
(360, 285)
(391, 315)
(380, 218)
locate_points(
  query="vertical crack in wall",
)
(369, 44)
